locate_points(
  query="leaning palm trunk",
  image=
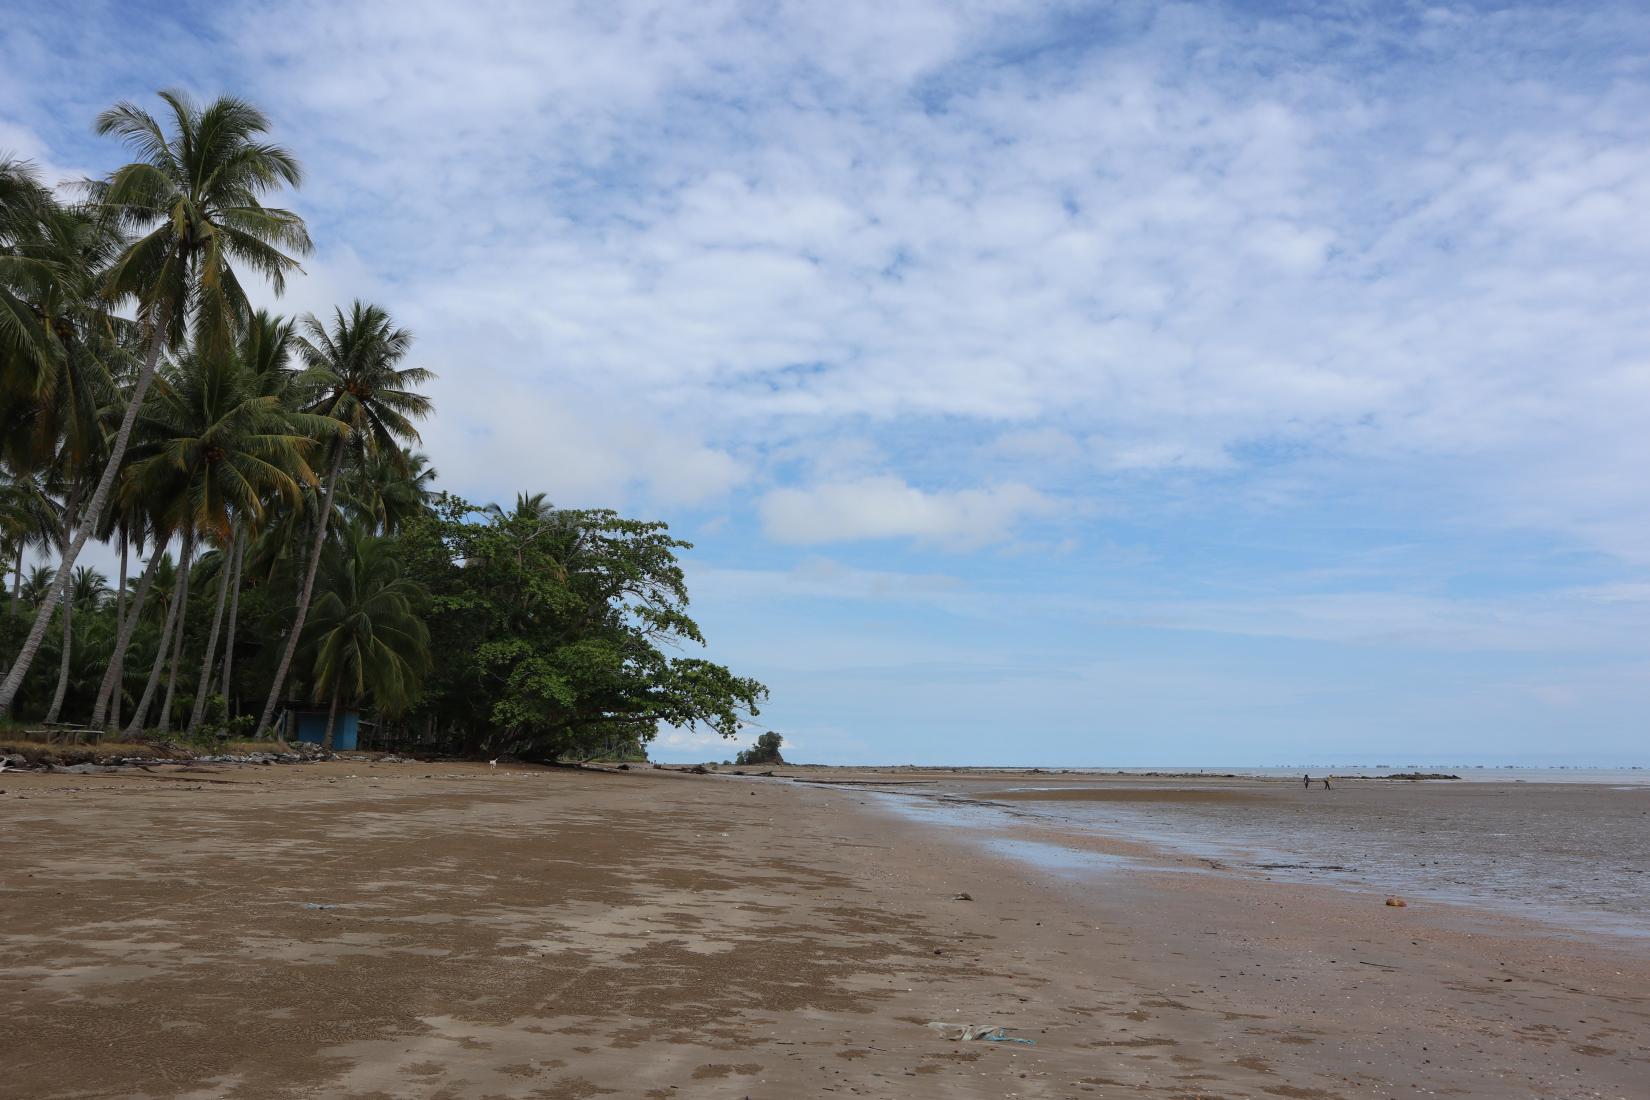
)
(109, 692)
(204, 686)
(303, 596)
(63, 665)
(88, 522)
(168, 628)
(177, 641)
(155, 669)
(68, 622)
(234, 613)
(120, 624)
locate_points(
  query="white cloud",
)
(496, 429)
(887, 507)
(826, 579)
(1177, 237)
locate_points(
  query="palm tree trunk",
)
(120, 618)
(177, 643)
(108, 694)
(63, 665)
(67, 596)
(308, 590)
(88, 522)
(155, 669)
(234, 613)
(332, 720)
(205, 684)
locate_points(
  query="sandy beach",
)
(359, 929)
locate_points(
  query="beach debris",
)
(698, 769)
(966, 1033)
(962, 897)
(1397, 902)
(317, 905)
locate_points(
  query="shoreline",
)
(550, 932)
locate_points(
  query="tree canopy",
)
(558, 627)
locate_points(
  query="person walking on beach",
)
(1306, 782)
(1326, 782)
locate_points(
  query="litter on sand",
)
(964, 1033)
(317, 905)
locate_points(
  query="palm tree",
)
(90, 588)
(29, 518)
(534, 506)
(212, 449)
(38, 585)
(388, 489)
(176, 589)
(367, 635)
(54, 337)
(27, 271)
(126, 622)
(51, 406)
(193, 199)
(265, 352)
(87, 587)
(159, 609)
(68, 463)
(353, 370)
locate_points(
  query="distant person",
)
(1306, 782)
(1326, 782)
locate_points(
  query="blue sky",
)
(1039, 383)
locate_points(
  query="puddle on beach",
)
(1058, 859)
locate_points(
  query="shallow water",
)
(1573, 855)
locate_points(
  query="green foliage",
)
(210, 447)
(553, 627)
(365, 634)
(765, 751)
(217, 726)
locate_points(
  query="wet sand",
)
(528, 932)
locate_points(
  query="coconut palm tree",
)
(29, 519)
(367, 636)
(387, 490)
(68, 464)
(353, 369)
(194, 202)
(89, 590)
(26, 271)
(176, 591)
(265, 352)
(87, 587)
(213, 451)
(535, 506)
(127, 619)
(50, 407)
(38, 585)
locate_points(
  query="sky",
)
(1039, 383)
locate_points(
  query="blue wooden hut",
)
(305, 722)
